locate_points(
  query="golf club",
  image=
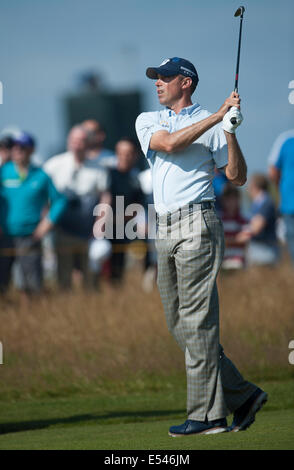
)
(240, 13)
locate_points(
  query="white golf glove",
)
(234, 112)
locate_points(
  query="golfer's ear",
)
(187, 82)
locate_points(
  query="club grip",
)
(233, 119)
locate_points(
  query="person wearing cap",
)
(25, 191)
(183, 143)
(6, 144)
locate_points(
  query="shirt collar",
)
(188, 110)
(22, 175)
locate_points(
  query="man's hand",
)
(242, 238)
(42, 229)
(232, 101)
(233, 113)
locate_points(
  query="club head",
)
(240, 11)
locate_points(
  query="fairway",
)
(137, 421)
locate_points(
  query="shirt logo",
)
(164, 124)
(11, 183)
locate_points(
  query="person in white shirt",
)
(183, 143)
(85, 185)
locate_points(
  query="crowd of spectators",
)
(54, 205)
(257, 238)
(250, 240)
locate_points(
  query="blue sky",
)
(45, 44)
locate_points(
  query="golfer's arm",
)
(236, 169)
(163, 141)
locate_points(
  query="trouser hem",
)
(245, 398)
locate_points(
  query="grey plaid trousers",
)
(190, 249)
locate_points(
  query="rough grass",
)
(257, 319)
(66, 343)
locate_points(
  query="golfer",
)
(183, 143)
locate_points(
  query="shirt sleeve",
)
(58, 202)
(219, 147)
(146, 126)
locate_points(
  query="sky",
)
(45, 45)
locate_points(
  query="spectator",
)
(96, 151)
(234, 224)
(25, 191)
(281, 172)
(6, 144)
(263, 248)
(123, 182)
(84, 186)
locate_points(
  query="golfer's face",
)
(169, 89)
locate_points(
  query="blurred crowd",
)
(48, 219)
(46, 212)
(257, 236)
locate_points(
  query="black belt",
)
(184, 211)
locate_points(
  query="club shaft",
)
(233, 120)
(238, 55)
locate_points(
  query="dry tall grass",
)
(79, 339)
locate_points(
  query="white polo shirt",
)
(69, 177)
(184, 176)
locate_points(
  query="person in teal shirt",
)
(30, 206)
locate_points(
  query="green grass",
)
(136, 421)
